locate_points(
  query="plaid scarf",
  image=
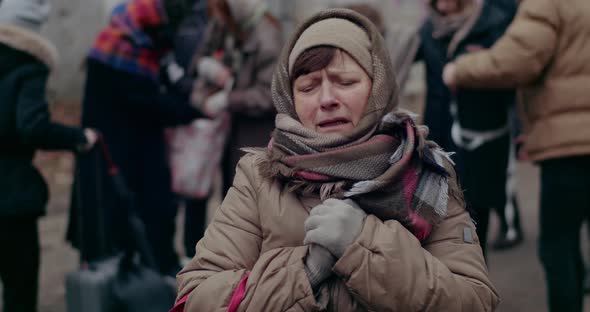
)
(395, 174)
(385, 164)
(125, 45)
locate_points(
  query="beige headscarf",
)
(368, 48)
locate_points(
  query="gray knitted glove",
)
(318, 265)
(334, 224)
(216, 104)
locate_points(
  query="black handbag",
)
(128, 281)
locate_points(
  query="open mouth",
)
(335, 122)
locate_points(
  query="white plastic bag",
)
(195, 151)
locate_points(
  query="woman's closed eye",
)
(347, 82)
(307, 86)
(305, 89)
(344, 80)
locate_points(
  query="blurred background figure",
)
(26, 60)
(234, 68)
(177, 75)
(433, 51)
(123, 100)
(545, 53)
(473, 123)
(510, 232)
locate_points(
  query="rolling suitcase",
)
(89, 289)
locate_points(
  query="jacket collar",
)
(29, 42)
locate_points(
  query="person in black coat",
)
(472, 123)
(124, 101)
(25, 126)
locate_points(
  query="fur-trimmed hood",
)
(30, 43)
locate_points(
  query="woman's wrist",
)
(318, 265)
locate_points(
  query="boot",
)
(507, 239)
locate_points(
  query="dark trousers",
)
(565, 205)
(195, 213)
(482, 176)
(19, 263)
(510, 220)
(509, 213)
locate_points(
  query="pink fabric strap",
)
(238, 295)
(234, 303)
(179, 306)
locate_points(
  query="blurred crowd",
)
(176, 89)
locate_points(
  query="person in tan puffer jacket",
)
(349, 208)
(545, 52)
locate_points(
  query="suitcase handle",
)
(106, 155)
(113, 171)
(138, 242)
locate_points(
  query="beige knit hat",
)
(339, 33)
(359, 37)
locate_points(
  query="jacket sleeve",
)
(145, 100)
(519, 57)
(231, 248)
(33, 123)
(256, 100)
(387, 269)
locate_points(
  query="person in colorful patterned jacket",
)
(122, 99)
(348, 208)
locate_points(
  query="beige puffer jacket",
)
(259, 229)
(545, 52)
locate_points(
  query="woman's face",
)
(332, 99)
(447, 7)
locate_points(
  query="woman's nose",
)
(328, 100)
